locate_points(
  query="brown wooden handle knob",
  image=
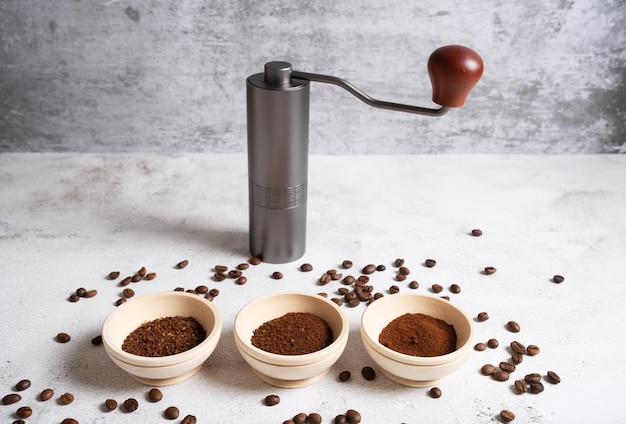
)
(454, 71)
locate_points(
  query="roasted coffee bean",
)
(219, 276)
(394, 289)
(517, 358)
(378, 295)
(368, 373)
(536, 387)
(74, 297)
(340, 419)
(126, 281)
(493, 343)
(189, 419)
(354, 302)
(179, 289)
(202, 289)
(404, 270)
(182, 264)
(480, 346)
(444, 297)
(81, 291)
(344, 376)
(243, 266)
(353, 416)
(214, 292)
(96, 341)
(348, 279)
(398, 262)
(343, 290)
(429, 263)
(337, 301)
(482, 316)
(455, 288)
(128, 293)
(136, 278)
(300, 418)
(500, 375)
(517, 347)
(381, 268)
(113, 275)
(347, 264)
(322, 294)
(110, 404)
(208, 297)
(220, 268)
(276, 275)
(63, 337)
(532, 377)
(553, 377)
(11, 398)
(66, 398)
(171, 413)
(46, 394)
(364, 279)
(271, 400)
(155, 395)
(513, 327)
(91, 293)
(489, 270)
(507, 416)
(131, 404)
(400, 277)
(349, 296)
(435, 392)
(336, 276)
(254, 261)
(241, 280)
(414, 285)
(520, 386)
(364, 297)
(436, 288)
(476, 232)
(235, 273)
(558, 279)
(505, 366)
(22, 385)
(69, 421)
(369, 269)
(532, 350)
(487, 369)
(306, 267)
(142, 271)
(314, 418)
(24, 412)
(325, 279)
(120, 301)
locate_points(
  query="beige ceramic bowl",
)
(164, 370)
(290, 370)
(415, 371)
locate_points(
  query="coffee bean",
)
(254, 260)
(364, 297)
(182, 264)
(380, 268)
(191, 291)
(513, 327)
(444, 297)
(219, 276)
(214, 292)
(535, 387)
(120, 301)
(63, 337)
(189, 419)
(480, 346)
(113, 275)
(300, 418)
(235, 273)
(325, 279)
(348, 279)
(337, 301)
(277, 275)
(400, 277)
(344, 376)
(505, 366)
(171, 413)
(69, 421)
(347, 264)
(378, 295)
(517, 347)
(493, 343)
(558, 279)
(435, 392)
(517, 358)
(220, 268)
(81, 291)
(455, 288)
(314, 418)
(128, 293)
(243, 266)
(354, 302)
(398, 262)
(340, 419)
(482, 316)
(349, 296)
(404, 270)
(110, 404)
(74, 297)
(90, 293)
(96, 341)
(142, 271)
(489, 270)
(336, 276)
(553, 377)
(241, 280)
(353, 416)
(368, 373)
(24, 412)
(394, 289)
(323, 294)
(136, 278)
(532, 377)
(271, 400)
(476, 232)
(46, 394)
(369, 269)
(429, 263)
(363, 279)
(131, 404)
(202, 289)
(306, 267)
(179, 289)
(126, 281)
(66, 398)
(414, 285)
(532, 350)
(22, 385)
(507, 416)
(487, 369)
(155, 395)
(436, 288)
(500, 375)
(521, 386)
(11, 398)
(343, 291)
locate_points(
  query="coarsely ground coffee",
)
(419, 335)
(295, 333)
(165, 336)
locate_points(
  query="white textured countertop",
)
(67, 220)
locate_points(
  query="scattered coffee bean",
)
(532, 377)
(435, 392)
(414, 285)
(493, 343)
(74, 297)
(155, 395)
(400, 277)
(113, 275)
(368, 373)
(404, 270)
(476, 232)
(398, 262)
(378, 295)
(394, 289)
(300, 418)
(429, 263)
(189, 419)
(241, 280)
(353, 416)
(277, 275)
(126, 281)
(136, 278)
(353, 302)
(235, 273)
(214, 292)
(182, 264)
(558, 279)
(179, 289)
(500, 375)
(445, 297)
(243, 266)
(369, 269)
(507, 416)
(69, 421)
(24, 412)
(482, 316)
(271, 400)
(220, 268)
(532, 350)
(517, 347)
(191, 291)
(363, 279)
(314, 418)
(202, 289)
(11, 398)
(323, 294)
(96, 341)
(487, 369)
(553, 377)
(436, 288)
(520, 386)
(254, 260)
(455, 288)
(142, 271)
(46, 394)
(90, 293)
(380, 268)
(325, 279)
(171, 413)
(517, 358)
(110, 404)
(63, 337)
(81, 291)
(348, 279)
(120, 301)
(513, 327)
(347, 264)
(131, 404)
(66, 398)
(128, 293)
(480, 346)
(22, 385)
(489, 270)
(505, 366)
(344, 376)
(218, 276)
(306, 267)
(339, 419)
(337, 301)
(536, 387)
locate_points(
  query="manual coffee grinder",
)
(278, 142)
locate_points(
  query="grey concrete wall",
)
(169, 76)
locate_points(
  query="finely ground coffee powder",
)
(165, 336)
(419, 335)
(295, 333)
